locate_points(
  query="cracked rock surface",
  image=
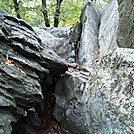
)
(23, 62)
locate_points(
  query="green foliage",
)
(107, 1)
(30, 11)
(70, 11)
(8, 6)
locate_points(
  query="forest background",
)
(63, 13)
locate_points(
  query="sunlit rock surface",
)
(96, 101)
(103, 105)
(108, 97)
(108, 28)
(88, 44)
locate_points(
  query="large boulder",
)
(102, 104)
(88, 44)
(125, 33)
(108, 97)
(56, 39)
(60, 32)
(21, 37)
(108, 28)
(24, 62)
(69, 109)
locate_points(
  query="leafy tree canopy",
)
(31, 10)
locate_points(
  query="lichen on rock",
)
(109, 95)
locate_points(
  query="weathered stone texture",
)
(88, 45)
(109, 94)
(6, 118)
(32, 58)
(125, 34)
(108, 28)
(69, 107)
(24, 61)
(56, 39)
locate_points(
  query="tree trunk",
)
(45, 13)
(16, 6)
(57, 13)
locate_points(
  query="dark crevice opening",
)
(49, 124)
(40, 120)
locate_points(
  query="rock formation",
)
(108, 28)
(88, 44)
(108, 97)
(105, 106)
(24, 63)
(125, 33)
(82, 81)
(69, 108)
(56, 39)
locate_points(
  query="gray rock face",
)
(74, 40)
(69, 107)
(60, 32)
(90, 19)
(108, 28)
(31, 59)
(56, 39)
(105, 103)
(125, 34)
(76, 33)
(109, 94)
(6, 118)
(23, 62)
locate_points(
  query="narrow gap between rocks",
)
(49, 125)
(39, 119)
